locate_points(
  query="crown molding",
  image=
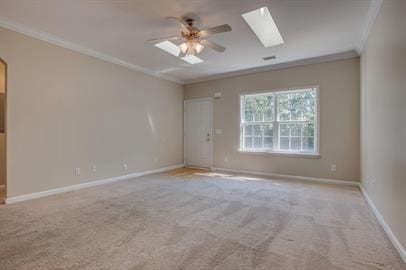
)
(22, 29)
(371, 18)
(372, 15)
(308, 61)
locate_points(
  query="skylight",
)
(169, 47)
(263, 25)
(191, 59)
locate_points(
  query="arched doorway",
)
(3, 129)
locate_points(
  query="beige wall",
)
(383, 73)
(339, 116)
(68, 110)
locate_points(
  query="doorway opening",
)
(3, 89)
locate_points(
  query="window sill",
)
(280, 154)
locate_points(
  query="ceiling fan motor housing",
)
(190, 21)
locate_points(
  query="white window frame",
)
(276, 123)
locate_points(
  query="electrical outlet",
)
(333, 168)
(94, 168)
(77, 171)
(125, 167)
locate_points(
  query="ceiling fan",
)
(195, 40)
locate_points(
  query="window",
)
(284, 122)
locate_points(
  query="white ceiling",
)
(118, 29)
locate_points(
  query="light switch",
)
(219, 132)
(217, 95)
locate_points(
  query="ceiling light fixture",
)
(191, 47)
(194, 40)
(199, 48)
(183, 47)
(263, 25)
(175, 50)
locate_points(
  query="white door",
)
(198, 133)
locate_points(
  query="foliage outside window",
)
(279, 122)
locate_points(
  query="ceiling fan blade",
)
(181, 21)
(215, 30)
(163, 38)
(212, 45)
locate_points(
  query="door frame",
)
(5, 128)
(211, 129)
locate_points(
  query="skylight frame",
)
(263, 25)
(168, 47)
(192, 59)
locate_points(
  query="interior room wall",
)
(383, 92)
(67, 110)
(339, 93)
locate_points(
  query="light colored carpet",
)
(187, 172)
(209, 221)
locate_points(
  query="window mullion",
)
(301, 137)
(275, 125)
(260, 123)
(242, 121)
(243, 126)
(252, 136)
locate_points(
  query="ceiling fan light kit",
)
(191, 47)
(194, 39)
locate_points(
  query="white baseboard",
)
(291, 177)
(40, 194)
(396, 243)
